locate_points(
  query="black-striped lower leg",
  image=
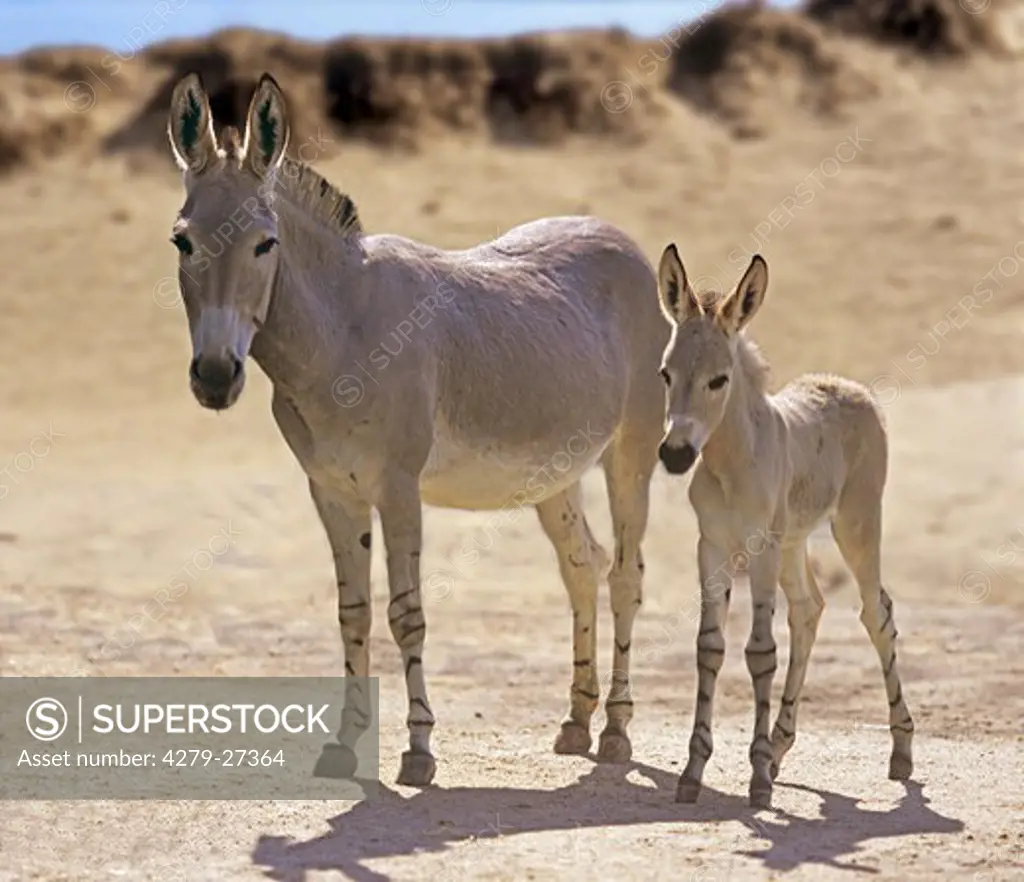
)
(882, 628)
(628, 496)
(354, 619)
(346, 521)
(761, 663)
(857, 530)
(580, 562)
(716, 593)
(805, 606)
(401, 524)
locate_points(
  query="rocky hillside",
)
(734, 65)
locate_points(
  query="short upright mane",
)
(319, 197)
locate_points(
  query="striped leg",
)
(805, 606)
(581, 562)
(346, 520)
(628, 496)
(401, 523)
(859, 540)
(762, 662)
(715, 594)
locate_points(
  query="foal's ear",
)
(190, 125)
(266, 128)
(744, 302)
(678, 302)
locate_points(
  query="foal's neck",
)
(306, 326)
(731, 450)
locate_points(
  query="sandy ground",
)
(136, 481)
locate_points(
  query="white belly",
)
(488, 477)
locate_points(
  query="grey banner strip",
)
(189, 738)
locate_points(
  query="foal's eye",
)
(718, 382)
(665, 376)
(265, 246)
(182, 243)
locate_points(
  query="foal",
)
(773, 467)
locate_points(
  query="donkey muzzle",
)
(216, 380)
(677, 460)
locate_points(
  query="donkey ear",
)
(678, 302)
(266, 128)
(190, 125)
(744, 302)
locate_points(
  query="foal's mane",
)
(754, 365)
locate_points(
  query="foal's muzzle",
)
(677, 460)
(217, 381)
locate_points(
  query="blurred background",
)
(869, 149)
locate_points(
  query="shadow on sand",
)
(435, 819)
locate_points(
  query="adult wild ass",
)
(510, 352)
(772, 467)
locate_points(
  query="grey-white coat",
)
(404, 374)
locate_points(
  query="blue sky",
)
(127, 24)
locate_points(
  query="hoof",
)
(573, 739)
(417, 769)
(900, 767)
(336, 761)
(760, 796)
(614, 747)
(687, 790)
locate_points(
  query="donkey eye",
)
(182, 243)
(665, 376)
(265, 246)
(718, 382)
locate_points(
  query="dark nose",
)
(677, 460)
(215, 373)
